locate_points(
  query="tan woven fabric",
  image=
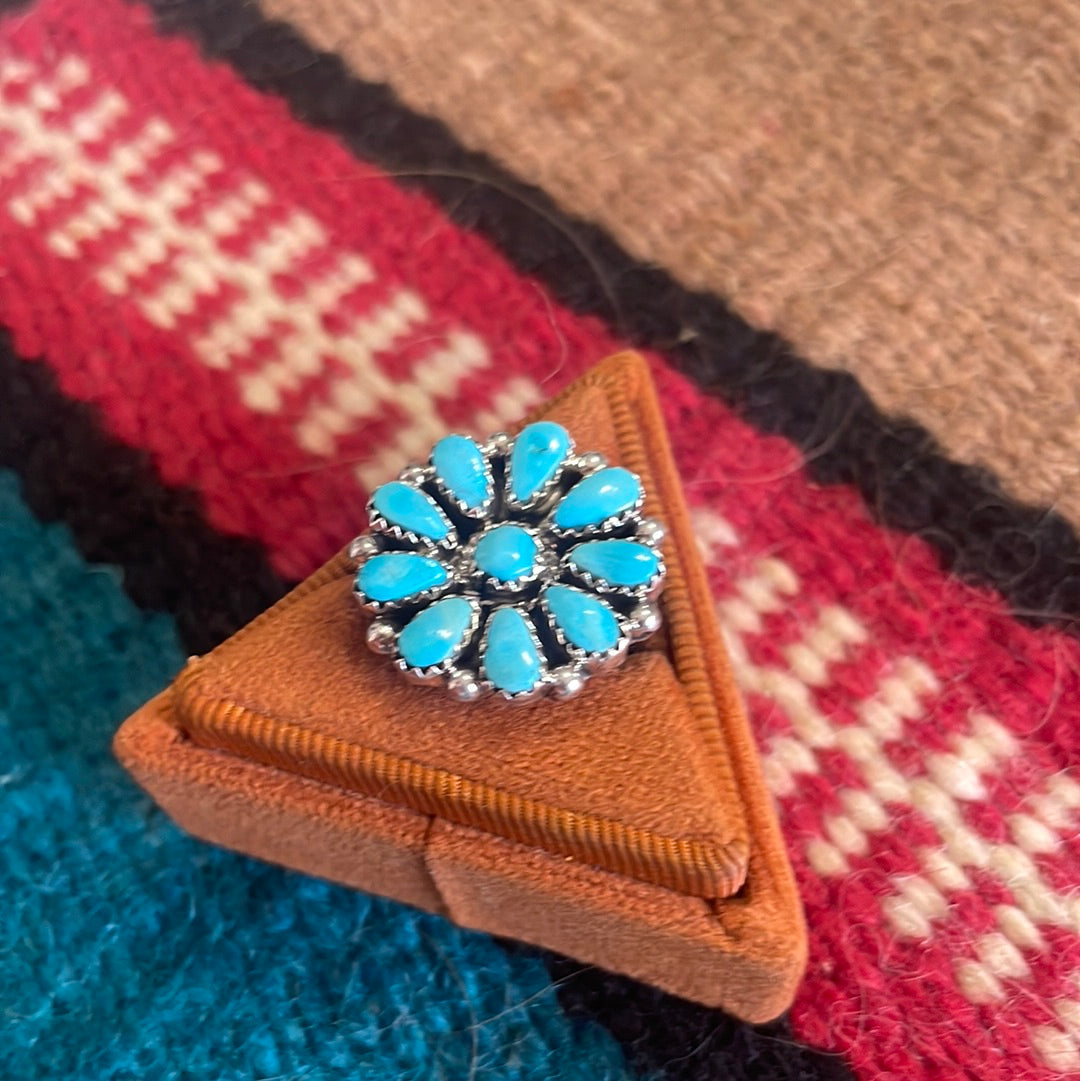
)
(893, 187)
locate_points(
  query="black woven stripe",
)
(1031, 555)
(119, 512)
(679, 1041)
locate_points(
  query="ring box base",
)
(740, 946)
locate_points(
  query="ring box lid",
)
(631, 776)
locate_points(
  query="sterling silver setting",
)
(592, 663)
(409, 539)
(444, 670)
(543, 654)
(545, 564)
(612, 527)
(536, 689)
(648, 531)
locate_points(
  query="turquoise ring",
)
(514, 566)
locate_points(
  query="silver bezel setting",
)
(544, 496)
(593, 662)
(436, 672)
(607, 527)
(565, 669)
(544, 566)
(539, 687)
(485, 508)
(648, 590)
(379, 524)
(602, 587)
(424, 597)
(416, 476)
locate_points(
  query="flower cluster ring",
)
(514, 566)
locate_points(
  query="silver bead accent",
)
(499, 443)
(645, 620)
(465, 687)
(415, 474)
(547, 563)
(363, 548)
(590, 462)
(381, 637)
(651, 532)
(567, 683)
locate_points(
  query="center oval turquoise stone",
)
(597, 497)
(411, 509)
(617, 562)
(585, 620)
(436, 634)
(393, 576)
(511, 659)
(463, 470)
(538, 452)
(506, 553)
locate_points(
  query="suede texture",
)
(293, 743)
(276, 816)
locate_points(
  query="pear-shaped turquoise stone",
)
(511, 659)
(405, 506)
(393, 576)
(538, 452)
(463, 470)
(506, 553)
(599, 496)
(586, 620)
(617, 562)
(437, 633)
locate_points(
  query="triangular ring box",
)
(629, 828)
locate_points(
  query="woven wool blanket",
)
(255, 258)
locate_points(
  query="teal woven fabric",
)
(132, 951)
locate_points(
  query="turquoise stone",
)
(538, 452)
(393, 576)
(405, 506)
(599, 496)
(617, 562)
(463, 470)
(437, 633)
(511, 659)
(586, 620)
(506, 553)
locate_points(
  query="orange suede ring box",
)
(629, 828)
